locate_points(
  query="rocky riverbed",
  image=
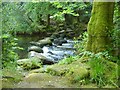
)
(49, 50)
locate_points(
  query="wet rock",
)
(59, 41)
(69, 30)
(46, 41)
(63, 35)
(70, 34)
(67, 46)
(62, 32)
(43, 42)
(35, 48)
(44, 58)
(36, 44)
(60, 53)
(55, 35)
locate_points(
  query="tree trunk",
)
(48, 20)
(100, 26)
(118, 51)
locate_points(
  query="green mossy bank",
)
(76, 74)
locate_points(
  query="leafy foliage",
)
(68, 60)
(81, 45)
(12, 18)
(28, 17)
(9, 43)
(9, 46)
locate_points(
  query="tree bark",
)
(48, 20)
(100, 26)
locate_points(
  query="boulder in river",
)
(35, 48)
(46, 41)
(59, 41)
(43, 42)
(45, 60)
(55, 35)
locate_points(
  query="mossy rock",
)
(43, 80)
(10, 77)
(111, 71)
(30, 63)
(8, 83)
(77, 73)
(59, 70)
(40, 70)
(71, 71)
(81, 64)
(45, 41)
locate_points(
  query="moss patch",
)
(59, 70)
(11, 78)
(30, 63)
(74, 72)
(43, 80)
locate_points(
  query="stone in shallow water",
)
(59, 41)
(35, 48)
(42, 56)
(43, 42)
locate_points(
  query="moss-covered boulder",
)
(73, 72)
(77, 73)
(30, 63)
(10, 77)
(43, 80)
(40, 70)
(59, 70)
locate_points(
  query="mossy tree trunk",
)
(118, 27)
(100, 26)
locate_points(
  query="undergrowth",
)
(102, 70)
(69, 60)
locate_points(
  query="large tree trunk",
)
(100, 26)
(118, 25)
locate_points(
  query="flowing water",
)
(53, 52)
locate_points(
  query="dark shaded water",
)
(24, 42)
